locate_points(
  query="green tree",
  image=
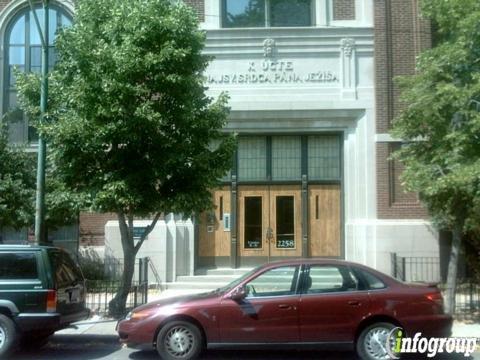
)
(441, 125)
(17, 184)
(17, 190)
(130, 123)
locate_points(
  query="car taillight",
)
(436, 297)
(51, 301)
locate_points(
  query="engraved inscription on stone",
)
(271, 71)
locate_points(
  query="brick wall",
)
(198, 5)
(92, 228)
(400, 35)
(343, 9)
(3, 3)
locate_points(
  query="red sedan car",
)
(311, 303)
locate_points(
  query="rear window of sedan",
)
(372, 281)
(326, 279)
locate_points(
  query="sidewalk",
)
(461, 329)
(94, 326)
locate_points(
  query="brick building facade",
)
(302, 86)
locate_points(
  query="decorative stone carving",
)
(269, 46)
(347, 45)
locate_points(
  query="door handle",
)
(286, 307)
(354, 303)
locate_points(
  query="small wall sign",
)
(226, 222)
(138, 232)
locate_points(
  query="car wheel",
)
(372, 342)
(8, 335)
(179, 340)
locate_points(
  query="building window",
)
(23, 50)
(253, 222)
(286, 158)
(279, 158)
(266, 13)
(323, 157)
(252, 158)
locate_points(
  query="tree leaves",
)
(130, 121)
(441, 123)
(17, 190)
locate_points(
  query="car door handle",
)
(285, 306)
(354, 303)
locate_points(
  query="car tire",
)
(8, 335)
(368, 345)
(179, 340)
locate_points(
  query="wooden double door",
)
(269, 223)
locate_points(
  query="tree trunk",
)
(117, 306)
(452, 270)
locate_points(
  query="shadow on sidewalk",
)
(72, 347)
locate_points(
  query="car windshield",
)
(238, 281)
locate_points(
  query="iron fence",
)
(416, 269)
(467, 299)
(105, 282)
(101, 292)
(427, 269)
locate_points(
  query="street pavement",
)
(97, 340)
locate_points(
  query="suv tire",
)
(179, 340)
(8, 335)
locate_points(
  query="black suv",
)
(42, 290)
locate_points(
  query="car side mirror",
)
(238, 293)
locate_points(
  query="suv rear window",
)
(18, 266)
(66, 271)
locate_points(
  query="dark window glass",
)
(290, 12)
(373, 282)
(275, 282)
(23, 51)
(285, 221)
(251, 13)
(244, 13)
(286, 158)
(67, 272)
(253, 222)
(18, 266)
(326, 279)
(252, 158)
(324, 157)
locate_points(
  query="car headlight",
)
(140, 315)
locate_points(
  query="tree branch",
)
(147, 231)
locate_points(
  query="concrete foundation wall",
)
(169, 247)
